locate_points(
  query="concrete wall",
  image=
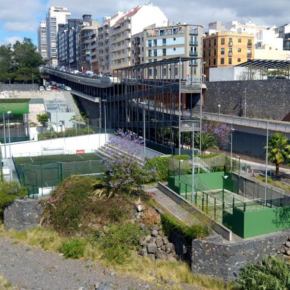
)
(59, 146)
(265, 99)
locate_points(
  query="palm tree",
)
(278, 150)
(207, 141)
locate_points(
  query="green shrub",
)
(9, 191)
(119, 242)
(271, 274)
(171, 224)
(161, 164)
(67, 133)
(73, 249)
(68, 203)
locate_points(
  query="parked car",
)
(54, 88)
(48, 88)
(67, 88)
(41, 88)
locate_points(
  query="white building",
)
(54, 17)
(130, 24)
(41, 34)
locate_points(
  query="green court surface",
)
(50, 170)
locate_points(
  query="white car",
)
(41, 88)
(67, 88)
(48, 88)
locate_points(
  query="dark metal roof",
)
(167, 61)
(266, 64)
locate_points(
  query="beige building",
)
(41, 34)
(224, 49)
(159, 43)
(130, 24)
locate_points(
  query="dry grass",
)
(177, 272)
(155, 272)
(5, 285)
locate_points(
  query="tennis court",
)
(44, 171)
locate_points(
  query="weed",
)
(74, 249)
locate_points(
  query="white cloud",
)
(12, 39)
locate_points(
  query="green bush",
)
(119, 242)
(271, 274)
(73, 249)
(68, 203)
(171, 224)
(161, 164)
(67, 133)
(9, 191)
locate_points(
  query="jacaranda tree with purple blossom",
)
(126, 171)
(221, 132)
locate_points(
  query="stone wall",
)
(23, 214)
(265, 98)
(216, 257)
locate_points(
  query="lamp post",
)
(238, 189)
(219, 106)
(4, 131)
(180, 161)
(266, 171)
(232, 131)
(192, 181)
(144, 129)
(9, 141)
(105, 109)
(224, 178)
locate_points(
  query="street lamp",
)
(232, 131)
(105, 101)
(238, 189)
(4, 131)
(9, 112)
(192, 181)
(180, 161)
(219, 106)
(225, 177)
(144, 131)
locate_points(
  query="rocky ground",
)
(30, 268)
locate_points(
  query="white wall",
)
(69, 145)
(219, 74)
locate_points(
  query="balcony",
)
(249, 54)
(193, 42)
(193, 53)
(193, 32)
(121, 55)
(230, 53)
(121, 46)
(193, 63)
(249, 44)
(230, 43)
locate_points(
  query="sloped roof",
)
(130, 14)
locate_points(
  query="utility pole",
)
(179, 110)
(246, 102)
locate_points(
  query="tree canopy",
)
(20, 62)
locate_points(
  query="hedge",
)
(171, 225)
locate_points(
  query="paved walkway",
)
(172, 207)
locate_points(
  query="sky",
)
(20, 19)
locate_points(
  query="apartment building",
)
(41, 35)
(90, 27)
(104, 42)
(54, 17)
(67, 43)
(180, 40)
(130, 24)
(138, 48)
(224, 49)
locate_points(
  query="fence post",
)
(215, 208)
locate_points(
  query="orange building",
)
(224, 49)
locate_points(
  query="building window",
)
(230, 61)
(155, 42)
(164, 71)
(155, 52)
(162, 32)
(222, 51)
(150, 72)
(239, 60)
(149, 52)
(239, 40)
(209, 43)
(214, 52)
(214, 61)
(239, 50)
(222, 41)
(209, 62)
(164, 51)
(222, 61)
(209, 52)
(175, 30)
(214, 41)
(194, 71)
(164, 41)
(150, 43)
(176, 71)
